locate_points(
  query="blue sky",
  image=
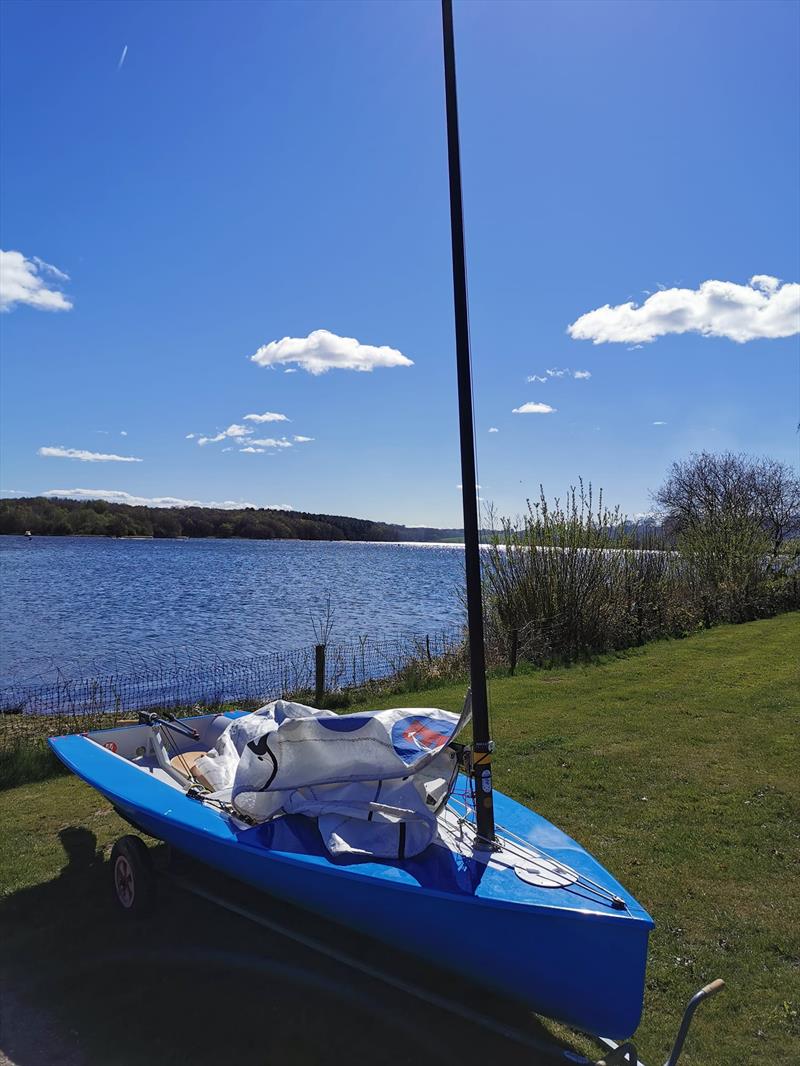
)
(257, 171)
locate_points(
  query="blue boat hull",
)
(561, 953)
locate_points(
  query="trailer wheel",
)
(132, 877)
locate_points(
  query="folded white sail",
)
(374, 781)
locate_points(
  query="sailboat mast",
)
(482, 744)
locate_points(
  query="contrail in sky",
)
(122, 57)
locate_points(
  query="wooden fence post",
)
(512, 655)
(319, 674)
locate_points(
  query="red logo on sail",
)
(423, 737)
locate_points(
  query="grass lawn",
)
(677, 765)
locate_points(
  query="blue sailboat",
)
(547, 926)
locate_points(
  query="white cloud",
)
(493, 429)
(123, 433)
(117, 496)
(84, 456)
(21, 282)
(271, 442)
(234, 430)
(301, 440)
(122, 57)
(268, 416)
(765, 282)
(190, 436)
(558, 372)
(290, 370)
(534, 409)
(48, 268)
(659, 423)
(322, 350)
(251, 450)
(763, 309)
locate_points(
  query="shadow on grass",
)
(82, 984)
(27, 761)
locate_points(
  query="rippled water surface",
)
(87, 605)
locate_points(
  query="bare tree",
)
(778, 490)
(731, 490)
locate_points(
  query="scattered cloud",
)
(271, 442)
(493, 429)
(244, 435)
(123, 433)
(765, 308)
(634, 348)
(322, 351)
(558, 372)
(268, 416)
(122, 57)
(659, 423)
(84, 456)
(234, 430)
(534, 409)
(190, 436)
(117, 496)
(22, 281)
(290, 370)
(48, 268)
(228, 449)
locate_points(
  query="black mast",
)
(482, 744)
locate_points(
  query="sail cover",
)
(374, 781)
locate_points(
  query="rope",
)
(522, 850)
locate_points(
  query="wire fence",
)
(64, 705)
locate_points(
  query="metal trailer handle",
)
(626, 1055)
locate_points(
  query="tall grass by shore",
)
(573, 578)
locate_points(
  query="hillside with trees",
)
(97, 518)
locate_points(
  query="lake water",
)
(89, 605)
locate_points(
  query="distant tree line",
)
(97, 518)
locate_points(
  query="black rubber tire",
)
(133, 879)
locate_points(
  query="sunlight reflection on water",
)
(88, 605)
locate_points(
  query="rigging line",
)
(178, 753)
(524, 850)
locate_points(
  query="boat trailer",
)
(134, 878)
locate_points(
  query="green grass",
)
(675, 764)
